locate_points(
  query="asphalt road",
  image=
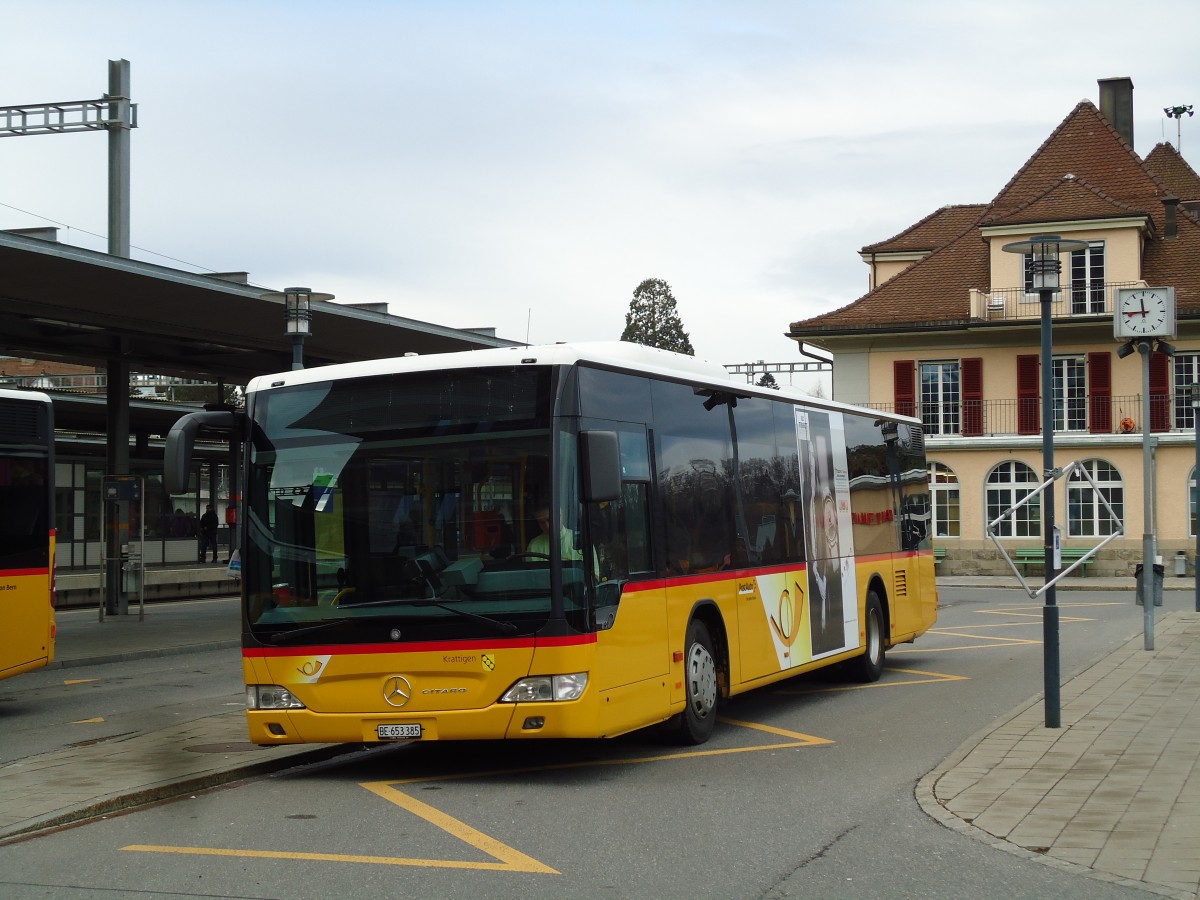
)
(806, 790)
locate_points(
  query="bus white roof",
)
(619, 354)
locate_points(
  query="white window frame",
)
(1006, 485)
(1185, 371)
(1092, 301)
(1070, 386)
(946, 498)
(1081, 494)
(941, 396)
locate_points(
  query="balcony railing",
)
(1083, 415)
(1077, 300)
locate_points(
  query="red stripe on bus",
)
(20, 572)
(419, 647)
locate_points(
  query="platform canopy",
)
(64, 303)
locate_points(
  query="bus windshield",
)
(406, 507)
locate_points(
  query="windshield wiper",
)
(280, 636)
(502, 627)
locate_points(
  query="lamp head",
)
(1045, 249)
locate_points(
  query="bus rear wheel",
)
(698, 719)
(869, 666)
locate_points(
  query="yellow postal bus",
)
(565, 541)
(26, 531)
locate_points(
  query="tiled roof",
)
(1165, 163)
(1068, 199)
(931, 232)
(1176, 263)
(1087, 146)
(1106, 180)
(934, 290)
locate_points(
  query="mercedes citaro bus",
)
(566, 541)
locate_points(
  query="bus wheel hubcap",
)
(702, 680)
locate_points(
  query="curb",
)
(925, 795)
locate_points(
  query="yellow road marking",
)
(96, 721)
(933, 678)
(338, 857)
(990, 638)
(509, 859)
(79, 680)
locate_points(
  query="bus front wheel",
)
(697, 721)
(869, 666)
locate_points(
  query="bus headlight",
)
(542, 688)
(270, 696)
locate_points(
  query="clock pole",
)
(1145, 316)
(1146, 584)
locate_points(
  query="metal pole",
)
(117, 368)
(120, 122)
(1196, 489)
(1050, 609)
(1147, 585)
(297, 352)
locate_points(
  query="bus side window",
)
(620, 533)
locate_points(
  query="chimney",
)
(1116, 105)
(1171, 229)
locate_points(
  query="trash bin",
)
(1156, 586)
(1180, 563)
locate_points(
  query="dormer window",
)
(1087, 279)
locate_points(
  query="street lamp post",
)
(1044, 267)
(298, 307)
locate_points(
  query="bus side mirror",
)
(181, 444)
(600, 456)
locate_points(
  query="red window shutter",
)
(972, 396)
(1100, 392)
(1160, 392)
(1028, 420)
(904, 375)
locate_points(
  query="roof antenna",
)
(1177, 113)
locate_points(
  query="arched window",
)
(1087, 515)
(1007, 485)
(943, 485)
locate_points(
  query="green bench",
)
(1027, 556)
(939, 553)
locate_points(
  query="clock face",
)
(1144, 312)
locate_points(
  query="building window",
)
(1070, 393)
(1007, 485)
(940, 395)
(1187, 373)
(1087, 514)
(1087, 279)
(943, 485)
(1192, 503)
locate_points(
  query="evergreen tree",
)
(768, 380)
(653, 320)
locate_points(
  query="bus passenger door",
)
(631, 620)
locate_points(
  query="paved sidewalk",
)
(91, 779)
(1115, 792)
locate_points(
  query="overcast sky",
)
(524, 165)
